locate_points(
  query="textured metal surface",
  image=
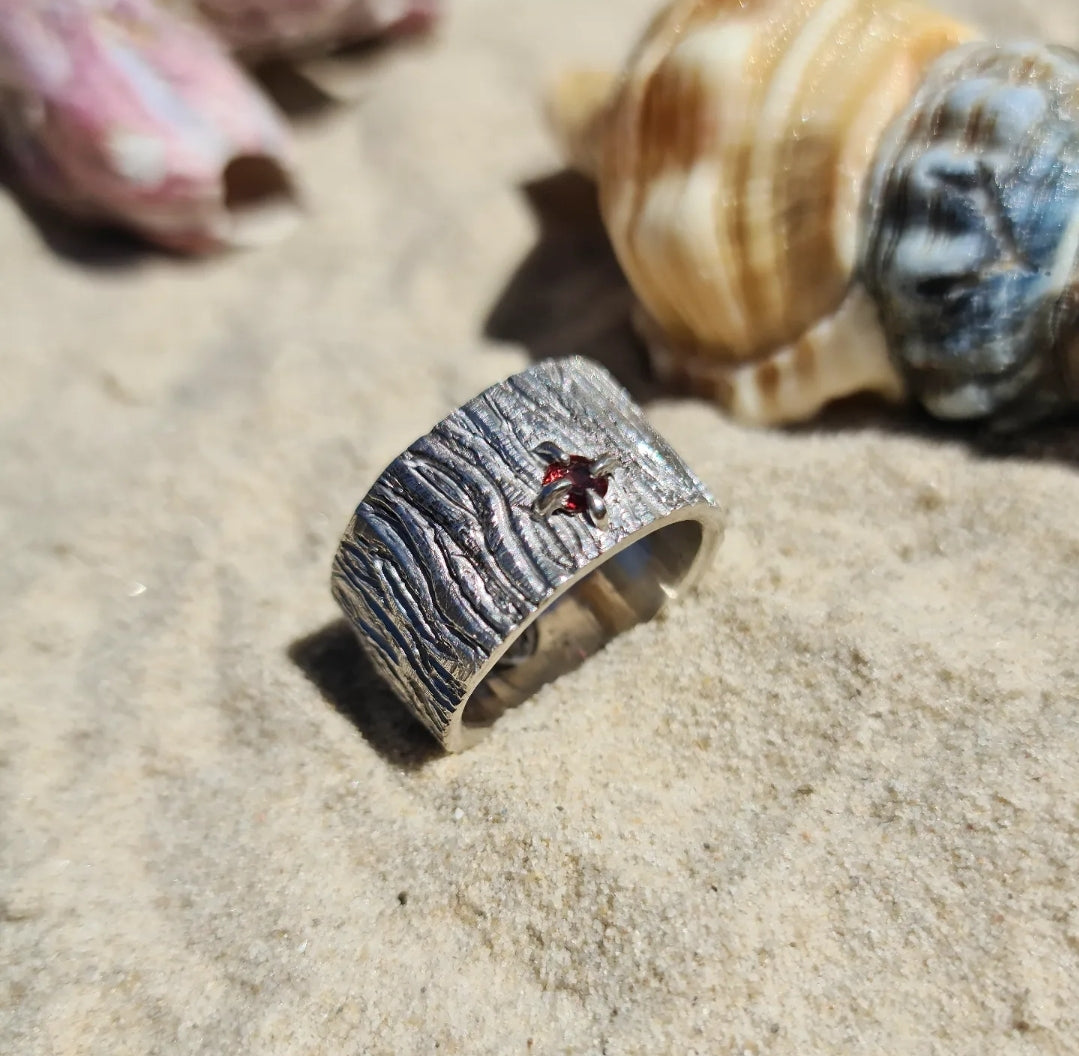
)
(445, 558)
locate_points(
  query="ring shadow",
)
(334, 661)
(569, 297)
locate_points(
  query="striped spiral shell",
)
(773, 242)
(730, 159)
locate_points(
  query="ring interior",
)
(629, 587)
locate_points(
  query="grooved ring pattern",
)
(445, 560)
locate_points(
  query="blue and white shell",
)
(971, 234)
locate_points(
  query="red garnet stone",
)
(576, 468)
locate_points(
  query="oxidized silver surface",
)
(466, 596)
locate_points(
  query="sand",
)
(829, 804)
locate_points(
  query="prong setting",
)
(597, 510)
(552, 496)
(549, 451)
(574, 484)
(603, 466)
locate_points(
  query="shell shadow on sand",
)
(569, 297)
(90, 245)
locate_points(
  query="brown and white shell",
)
(731, 157)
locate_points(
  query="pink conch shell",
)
(123, 110)
(258, 28)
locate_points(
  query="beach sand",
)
(828, 804)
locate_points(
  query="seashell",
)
(124, 110)
(258, 29)
(817, 197)
(731, 157)
(972, 234)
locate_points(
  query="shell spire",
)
(577, 106)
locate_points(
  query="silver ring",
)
(514, 540)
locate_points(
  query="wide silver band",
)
(521, 534)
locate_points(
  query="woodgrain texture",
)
(444, 558)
